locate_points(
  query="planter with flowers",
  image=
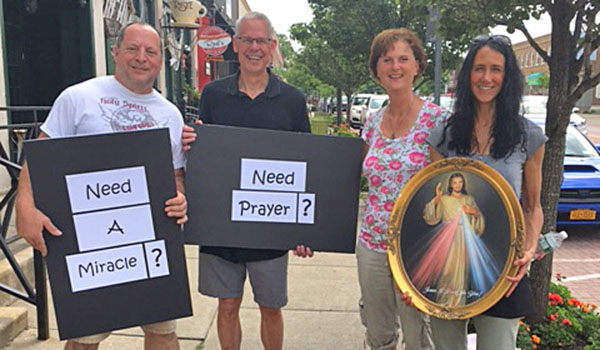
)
(343, 130)
(569, 325)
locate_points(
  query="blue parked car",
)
(579, 200)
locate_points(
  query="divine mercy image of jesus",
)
(456, 268)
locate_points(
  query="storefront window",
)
(117, 13)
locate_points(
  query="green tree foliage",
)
(337, 41)
(299, 75)
(575, 35)
(544, 81)
(327, 64)
(287, 51)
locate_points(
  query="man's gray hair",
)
(121, 34)
(255, 15)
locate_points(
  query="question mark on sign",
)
(158, 254)
(308, 203)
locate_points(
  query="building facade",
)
(535, 70)
(532, 65)
(48, 45)
(222, 14)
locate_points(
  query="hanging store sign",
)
(214, 41)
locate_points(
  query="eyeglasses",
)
(502, 39)
(258, 41)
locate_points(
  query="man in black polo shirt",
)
(252, 98)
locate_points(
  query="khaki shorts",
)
(166, 327)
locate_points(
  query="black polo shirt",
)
(279, 107)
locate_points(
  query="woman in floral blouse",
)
(395, 150)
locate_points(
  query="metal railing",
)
(192, 113)
(13, 161)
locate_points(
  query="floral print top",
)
(389, 165)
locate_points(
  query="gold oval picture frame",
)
(455, 231)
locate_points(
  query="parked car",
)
(334, 104)
(579, 199)
(375, 103)
(358, 109)
(534, 107)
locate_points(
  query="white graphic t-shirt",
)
(102, 105)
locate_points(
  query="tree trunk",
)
(348, 105)
(557, 121)
(339, 106)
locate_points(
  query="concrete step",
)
(13, 319)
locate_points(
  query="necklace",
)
(482, 150)
(398, 128)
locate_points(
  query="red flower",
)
(566, 322)
(574, 302)
(376, 181)
(555, 299)
(379, 143)
(370, 161)
(416, 157)
(420, 137)
(388, 206)
(395, 165)
(553, 317)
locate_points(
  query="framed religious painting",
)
(455, 231)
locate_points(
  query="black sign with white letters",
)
(256, 188)
(120, 260)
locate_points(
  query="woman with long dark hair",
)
(486, 126)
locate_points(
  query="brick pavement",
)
(578, 262)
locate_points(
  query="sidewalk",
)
(322, 312)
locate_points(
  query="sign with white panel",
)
(119, 255)
(263, 206)
(265, 189)
(113, 227)
(273, 175)
(270, 204)
(106, 267)
(107, 189)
